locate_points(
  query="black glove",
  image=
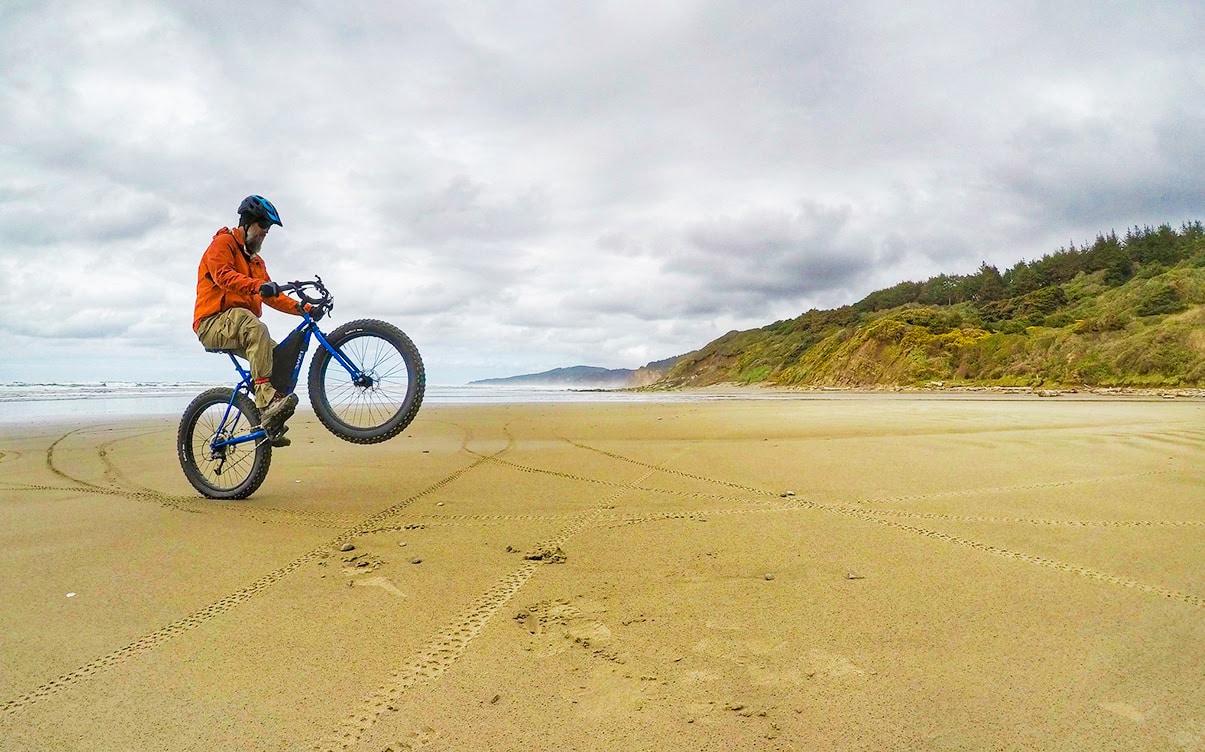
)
(269, 290)
(316, 312)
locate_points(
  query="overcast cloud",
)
(527, 185)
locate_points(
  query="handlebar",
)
(324, 299)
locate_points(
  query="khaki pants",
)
(240, 330)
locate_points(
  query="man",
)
(232, 282)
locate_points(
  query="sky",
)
(536, 184)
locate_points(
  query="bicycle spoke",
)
(367, 407)
(384, 390)
(232, 464)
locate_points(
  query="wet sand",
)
(846, 573)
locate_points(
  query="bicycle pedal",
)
(277, 437)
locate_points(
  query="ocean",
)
(22, 402)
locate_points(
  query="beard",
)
(253, 245)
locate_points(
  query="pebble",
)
(769, 576)
(347, 547)
(402, 543)
(416, 560)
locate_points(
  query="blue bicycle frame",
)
(308, 327)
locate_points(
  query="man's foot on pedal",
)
(278, 438)
(278, 411)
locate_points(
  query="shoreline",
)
(89, 408)
(716, 392)
(937, 389)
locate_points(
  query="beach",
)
(832, 572)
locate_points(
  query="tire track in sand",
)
(878, 517)
(442, 650)
(1076, 569)
(222, 605)
(120, 486)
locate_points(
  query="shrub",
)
(754, 375)
(1162, 301)
(1108, 321)
(886, 330)
(1094, 372)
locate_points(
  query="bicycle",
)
(366, 384)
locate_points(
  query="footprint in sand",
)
(382, 582)
(414, 740)
(560, 625)
(1125, 711)
(774, 662)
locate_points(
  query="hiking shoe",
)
(277, 412)
(278, 438)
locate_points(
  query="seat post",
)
(245, 373)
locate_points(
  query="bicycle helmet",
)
(257, 209)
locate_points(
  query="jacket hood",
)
(237, 234)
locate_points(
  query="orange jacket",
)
(227, 278)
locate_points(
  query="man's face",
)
(255, 236)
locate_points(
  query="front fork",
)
(358, 377)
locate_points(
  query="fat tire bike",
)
(366, 384)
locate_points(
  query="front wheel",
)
(218, 470)
(382, 396)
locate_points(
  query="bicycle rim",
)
(226, 468)
(382, 395)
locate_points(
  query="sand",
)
(849, 572)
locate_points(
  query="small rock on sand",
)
(347, 547)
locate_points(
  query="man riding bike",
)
(232, 283)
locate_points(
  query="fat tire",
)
(189, 442)
(391, 412)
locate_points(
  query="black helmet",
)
(257, 209)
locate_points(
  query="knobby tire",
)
(237, 471)
(386, 402)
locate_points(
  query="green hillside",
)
(1122, 312)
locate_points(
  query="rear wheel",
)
(381, 400)
(231, 471)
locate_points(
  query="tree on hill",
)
(1121, 311)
